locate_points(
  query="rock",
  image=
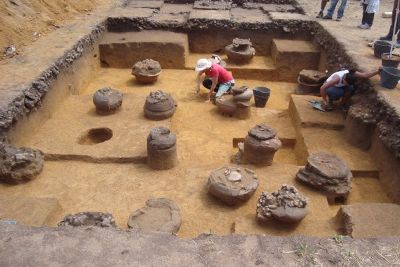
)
(327, 173)
(146, 71)
(240, 51)
(159, 105)
(19, 165)
(286, 205)
(260, 145)
(107, 100)
(161, 149)
(159, 214)
(312, 76)
(99, 219)
(232, 185)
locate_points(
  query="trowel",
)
(316, 105)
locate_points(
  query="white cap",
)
(203, 64)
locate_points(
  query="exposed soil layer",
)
(28, 96)
(159, 214)
(100, 246)
(23, 22)
(32, 100)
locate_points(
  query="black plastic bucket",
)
(390, 77)
(381, 47)
(261, 96)
(390, 62)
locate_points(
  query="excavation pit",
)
(96, 136)
(97, 180)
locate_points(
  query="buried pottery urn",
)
(260, 145)
(161, 149)
(329, 174)
(286, 205)
(232, 184)
(107, 100)
(240, 51)
(146, 71)
(159, 105)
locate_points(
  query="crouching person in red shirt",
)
(217, 79)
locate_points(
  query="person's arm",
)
(366, 75)
(214, 81)
(335, 80)
(199, 79)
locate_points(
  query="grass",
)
(307, 253)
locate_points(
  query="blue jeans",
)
(335, 93)
(221, 88)
(333, 6)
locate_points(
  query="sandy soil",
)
(24, 21)
(204, 140)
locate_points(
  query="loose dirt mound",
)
(24, 21)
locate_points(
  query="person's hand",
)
(380, 69)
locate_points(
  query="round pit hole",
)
(95, 136)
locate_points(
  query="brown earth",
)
(24, 21)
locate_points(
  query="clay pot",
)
(240, 51)
(147, 79)
(328, 173)
(159, 105)
(161, 149)
(232, 185)
(226, 105)
(19, 165)
(359, 126)
(243, 110)
(307, 88)
(146, 71)
(260, 145)
(246, 95)
(107, 100)
(286, 205)
(312, 77)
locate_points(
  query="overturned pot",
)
(146, 71)
(159, 105)
(240, 51)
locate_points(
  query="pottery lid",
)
(161, 138)
(262, 132)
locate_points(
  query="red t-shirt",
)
(220, 73)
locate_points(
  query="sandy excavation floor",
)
(204, 144)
